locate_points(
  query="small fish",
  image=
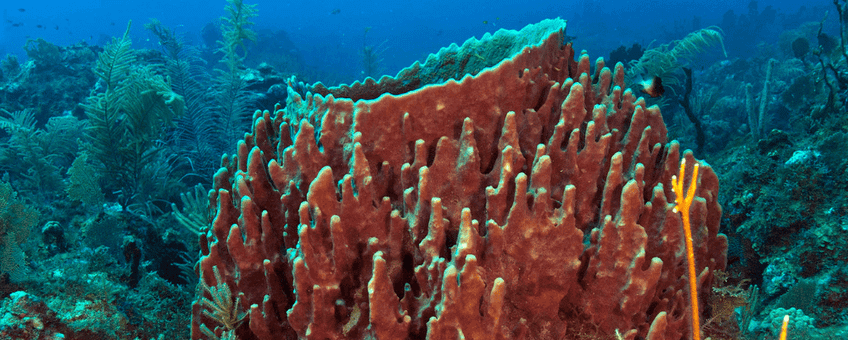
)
(653, 87)
(56, 27)
(21, 9)
(485, 22)
(39, 26)
(336, 11)
(18, 24)
(112, 23)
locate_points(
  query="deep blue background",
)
(410, 30)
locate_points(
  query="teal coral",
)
(801, 326)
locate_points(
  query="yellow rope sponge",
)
(683, 204)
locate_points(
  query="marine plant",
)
(667, 60)
(193, 139)
(33, 157)
(127, 121)
(84, 182)
(196, 215)
(232, 113)
(372, 57)
(757, 116)
(16, 219)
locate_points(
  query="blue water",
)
(328, 35)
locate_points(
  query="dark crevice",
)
(494, 152)
(431, 153)
(407, 276)
(450, 242)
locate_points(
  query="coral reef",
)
(530, 200)
(488, 191)
(52, 82)
(80, 298)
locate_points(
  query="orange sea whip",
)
(684, 202)
(784, 327)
